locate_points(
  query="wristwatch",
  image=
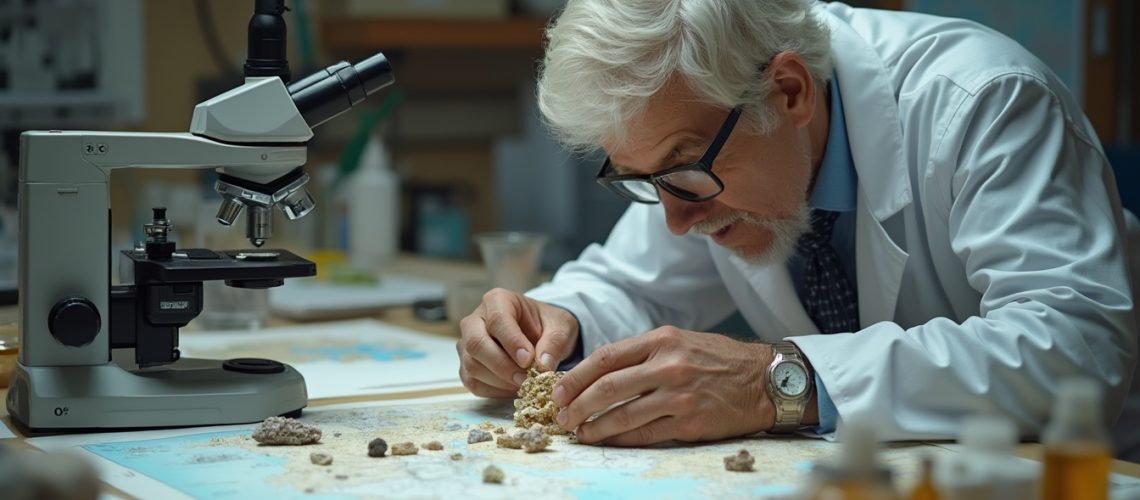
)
(790, 385)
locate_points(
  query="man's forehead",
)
(650, 142)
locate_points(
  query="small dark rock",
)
(377, 447)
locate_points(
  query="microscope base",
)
(189, 392)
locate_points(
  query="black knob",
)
(74, 321)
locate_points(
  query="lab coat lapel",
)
(873, 127)
(875, 134)
(773, 285)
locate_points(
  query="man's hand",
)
(689, 386)
(499, 341)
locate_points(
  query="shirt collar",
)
(836, 185)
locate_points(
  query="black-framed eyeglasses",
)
(693, 182)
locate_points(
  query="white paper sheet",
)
(139, 485)
(348, 358)
(310, 299)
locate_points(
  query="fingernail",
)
(519, 378)
(522, 355)
(548, 361)
(557, 396)
(561, 418)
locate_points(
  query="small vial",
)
(925, 489)
(1077, 451)
(860, 476)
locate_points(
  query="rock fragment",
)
(433, 445)
(320, 458)
(377, 447)
(493, 475)
(532, 440)
(478, 436)
(285, 431)
(407, 448)
(534, 405)
(457, 456)
(740, 462)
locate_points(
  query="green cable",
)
(304, 35)
(350, 158)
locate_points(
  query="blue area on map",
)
(375, 352)
(610, 482)
(190, 466)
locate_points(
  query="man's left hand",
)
(689, 386)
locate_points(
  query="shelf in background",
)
(352, 35)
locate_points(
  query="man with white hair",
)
(912, 214)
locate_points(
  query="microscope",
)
(97, 356)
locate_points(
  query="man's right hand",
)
(504, 337)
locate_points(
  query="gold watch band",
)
(789, 411)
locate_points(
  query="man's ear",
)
(793, 89)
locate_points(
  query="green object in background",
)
(350, 158)
(344, 274)
(304, 35)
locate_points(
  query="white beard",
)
(785, 233)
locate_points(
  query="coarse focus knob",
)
(74, 321)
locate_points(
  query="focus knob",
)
(74, 321)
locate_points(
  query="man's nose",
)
(680, 215)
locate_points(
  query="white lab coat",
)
(990, 243)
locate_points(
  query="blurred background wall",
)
(466, 139)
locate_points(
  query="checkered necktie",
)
(828, 295)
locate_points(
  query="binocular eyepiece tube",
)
(329, 92)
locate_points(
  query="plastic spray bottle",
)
(373, 209)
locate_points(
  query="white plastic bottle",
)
(373, 209)
(986, 468)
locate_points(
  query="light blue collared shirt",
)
(836, 188)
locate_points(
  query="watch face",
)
(790, 379)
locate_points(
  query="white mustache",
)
(714, 224)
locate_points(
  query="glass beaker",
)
(512, 258)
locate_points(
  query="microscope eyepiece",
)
(265, 43)
(331, 91)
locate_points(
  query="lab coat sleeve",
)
(641, 278)
(1033, 218)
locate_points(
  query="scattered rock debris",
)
(486, 425)
(457, 456)
(285, 431)
(336, 434)
(433, 445)
(740, 462)
(310, 490)
(493, 475)
(500, 430)
(454, 426)
(377, 447)
(341, 476)
(407, 448)
(320, 458)
(532, 440)
(478, 436)
(534, 406)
